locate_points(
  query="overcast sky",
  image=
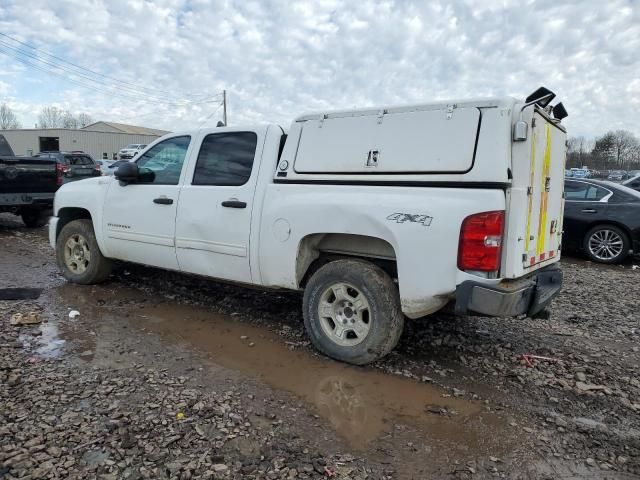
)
(280, 58)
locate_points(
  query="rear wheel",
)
(606, 244)
(34, 218)
(352, 311)
(79, 256)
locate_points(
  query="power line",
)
(93, 72)
(19, 55)
(212, 114)
(94, 87)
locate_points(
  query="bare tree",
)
(51, 117)
(84, 119)
(68, 120)
(8, 119)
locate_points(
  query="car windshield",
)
(133, 145)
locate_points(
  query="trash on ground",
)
(528, 357)
(74, 313)
(30, 318)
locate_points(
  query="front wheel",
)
(352, 311)
(79, 256)
(606, 244)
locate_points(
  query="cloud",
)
(278, 59)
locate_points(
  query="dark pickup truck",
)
(28, 185)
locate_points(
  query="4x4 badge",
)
(411, 217)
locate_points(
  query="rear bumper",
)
(528, 296)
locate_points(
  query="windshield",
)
(133, 145)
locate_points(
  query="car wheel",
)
(35, 218)
(352, 311)
(606, 244)
(79, 256)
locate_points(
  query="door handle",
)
(234, 204)
(163, 200)
(589, 210)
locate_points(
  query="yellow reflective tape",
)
(531, 179)
(544, 195)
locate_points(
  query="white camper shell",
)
(464, 144)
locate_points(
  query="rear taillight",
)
(481, 241)
(61, 169)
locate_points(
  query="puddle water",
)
(360, 404)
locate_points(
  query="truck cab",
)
(376, 215)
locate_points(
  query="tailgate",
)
(26, 175)
(537, 198)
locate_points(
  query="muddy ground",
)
(163, 375)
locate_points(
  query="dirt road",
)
(162, 375)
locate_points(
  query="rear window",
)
(584, 191)
(78, 160)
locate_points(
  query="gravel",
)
(569, 382)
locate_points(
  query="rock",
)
(219, 467)
(580, 376)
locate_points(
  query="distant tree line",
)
(615, 150)
(49, 117)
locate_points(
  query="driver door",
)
(139, 218)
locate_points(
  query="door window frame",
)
(604, 199)
(201, 144)
(185, 162)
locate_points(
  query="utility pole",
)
(224, 107)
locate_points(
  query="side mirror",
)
(127, 173)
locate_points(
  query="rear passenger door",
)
(213, 222)
(585, 203)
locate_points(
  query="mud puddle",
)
(360, 404)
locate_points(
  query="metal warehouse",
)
(102, 140)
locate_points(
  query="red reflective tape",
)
(551, 254)
(543, 256)
(532, 261)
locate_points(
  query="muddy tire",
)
(79, 256)
(352, 311)
(33, 218)
(606, 244)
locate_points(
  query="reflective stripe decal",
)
(531, 180)
(544, 194)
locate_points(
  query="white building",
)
(101, 140)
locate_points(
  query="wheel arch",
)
(69, 214)
(318, 249)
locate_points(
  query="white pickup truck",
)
(376, 214)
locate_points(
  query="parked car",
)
(74, 166)
(617, 175)
(633, 183)
(27, 185)
(568, 173)
(580, 173)
(602, 219)
(375, 214)
(130, 151)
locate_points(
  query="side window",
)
(583, 191)
(162, 164)
(225, 159)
